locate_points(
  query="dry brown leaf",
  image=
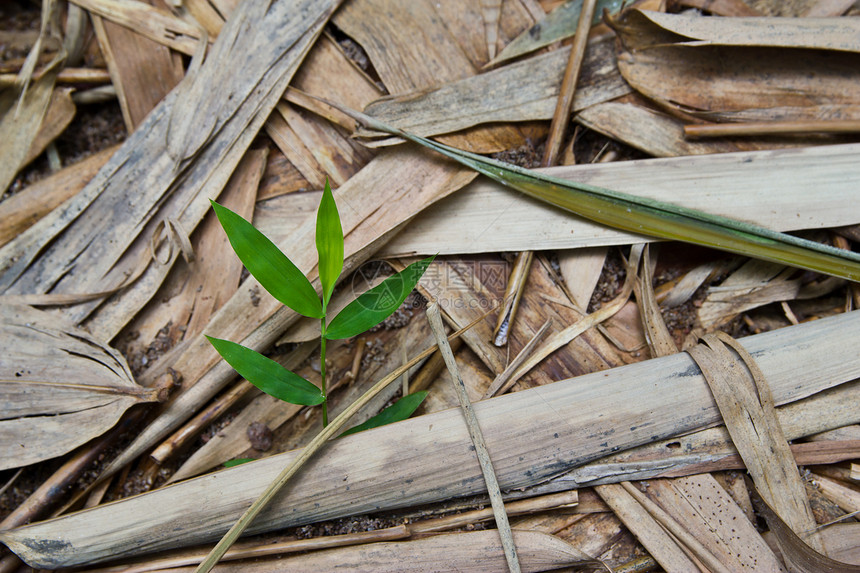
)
(488, 98)
(59, 387)
(414, 48)
(763, 81)
(800, 557)
(142, 70)
(840, 34)
(491, 11)
(61, 111)
(32, 203)
(381, 470)
(22, 113)
(156, 24)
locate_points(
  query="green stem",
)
(322, 372)
(319, 440)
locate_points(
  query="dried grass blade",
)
(466, 552)
(748, 409)
(312, 448)
(841, 34)
(664, 391)
(563, 337)
(502, 523)
(646, 216)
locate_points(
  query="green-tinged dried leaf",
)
(278, 275)
(237, 462)
(377, 304)
(558, 25)
(647, 216)
(268, 375)
(398, 411)
(59, 387)
(329, 239)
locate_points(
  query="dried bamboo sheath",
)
(532, 436)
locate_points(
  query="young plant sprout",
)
(284, 281)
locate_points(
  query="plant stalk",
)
(315, 445)
(322, 371)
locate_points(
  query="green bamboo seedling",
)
(284, 281)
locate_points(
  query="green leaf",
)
(377, 304)
(645, 216)
(267, 375)
(237, 462)
(269, 265)
(329, 238)
(397, 412)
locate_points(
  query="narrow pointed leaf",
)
(647, 216)
(267, 375)
(329, 238)
(400, 410)
(278, 275)
(377, 304)
(237, 462)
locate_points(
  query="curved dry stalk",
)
(307, 453)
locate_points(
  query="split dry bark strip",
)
(27, 206)
(103, 237)
(142, 70)
(469, 552)
(748, 408)
(488, 218)
(712, 449)
(650, 400)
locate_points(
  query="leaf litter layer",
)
(452, 48)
